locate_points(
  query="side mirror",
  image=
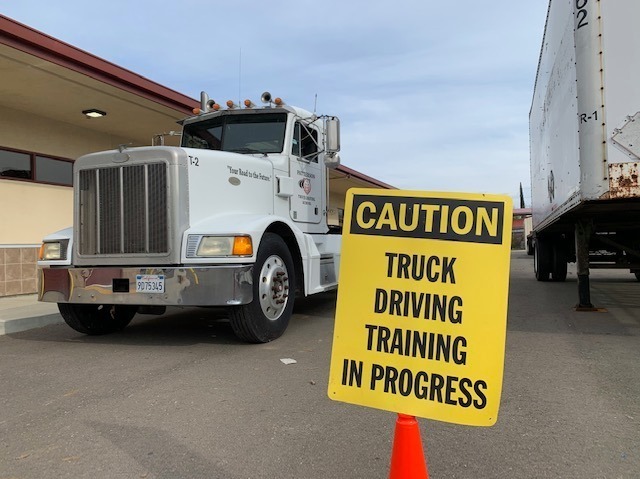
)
(332, 139)
(332, 160)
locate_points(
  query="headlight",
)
(52, 251)
(215, 246)
(210, 246)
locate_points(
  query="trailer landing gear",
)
(583, 233)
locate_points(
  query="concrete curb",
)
(21, 313)
(9, 326)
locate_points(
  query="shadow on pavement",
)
(181, 326)
(549, 307)
(160, 453)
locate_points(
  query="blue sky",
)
(432, 95)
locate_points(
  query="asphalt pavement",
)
(178, 396)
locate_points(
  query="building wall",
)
(29, 211)
(17, 271)
(335, 208)
(34, 210)
(47, 135)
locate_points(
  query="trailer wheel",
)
(559, 267)
(267, 316)
(541, 259)
(94, 319)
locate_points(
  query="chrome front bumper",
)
(208, 286)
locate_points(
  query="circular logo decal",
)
(305, 184)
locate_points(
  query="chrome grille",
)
(124, 210)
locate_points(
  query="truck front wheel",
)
(94, 319)
(267, 316)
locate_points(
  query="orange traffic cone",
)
(407, 456)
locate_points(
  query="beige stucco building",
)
(46, 88)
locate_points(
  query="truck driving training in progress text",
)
(234, 217)
(585, 141)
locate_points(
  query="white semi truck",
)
(234, 217)
(585, 141)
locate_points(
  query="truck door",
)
(306, 202)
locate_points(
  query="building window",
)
(51, 170)
(15, 165)
(22, 165)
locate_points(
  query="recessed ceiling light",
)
(93, 113)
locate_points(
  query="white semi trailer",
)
(234, 217)
(585, 141)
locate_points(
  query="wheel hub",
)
(274, 287)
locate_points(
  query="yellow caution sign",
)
(422, 305)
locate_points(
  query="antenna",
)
(315, 104)
(240, 78)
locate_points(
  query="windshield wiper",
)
(247, 150)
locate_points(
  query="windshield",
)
(241, 133)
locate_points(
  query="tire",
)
(559, 267)
(94, 319)
(541, 259)
(529, 243)
(267, 316)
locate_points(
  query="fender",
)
(255, 226)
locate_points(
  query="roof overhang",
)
(47, 77)
(342, 178)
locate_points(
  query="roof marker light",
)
(278, 101)
(248, 104)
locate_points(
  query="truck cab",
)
(235, 217)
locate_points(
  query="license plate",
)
(150, 283)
